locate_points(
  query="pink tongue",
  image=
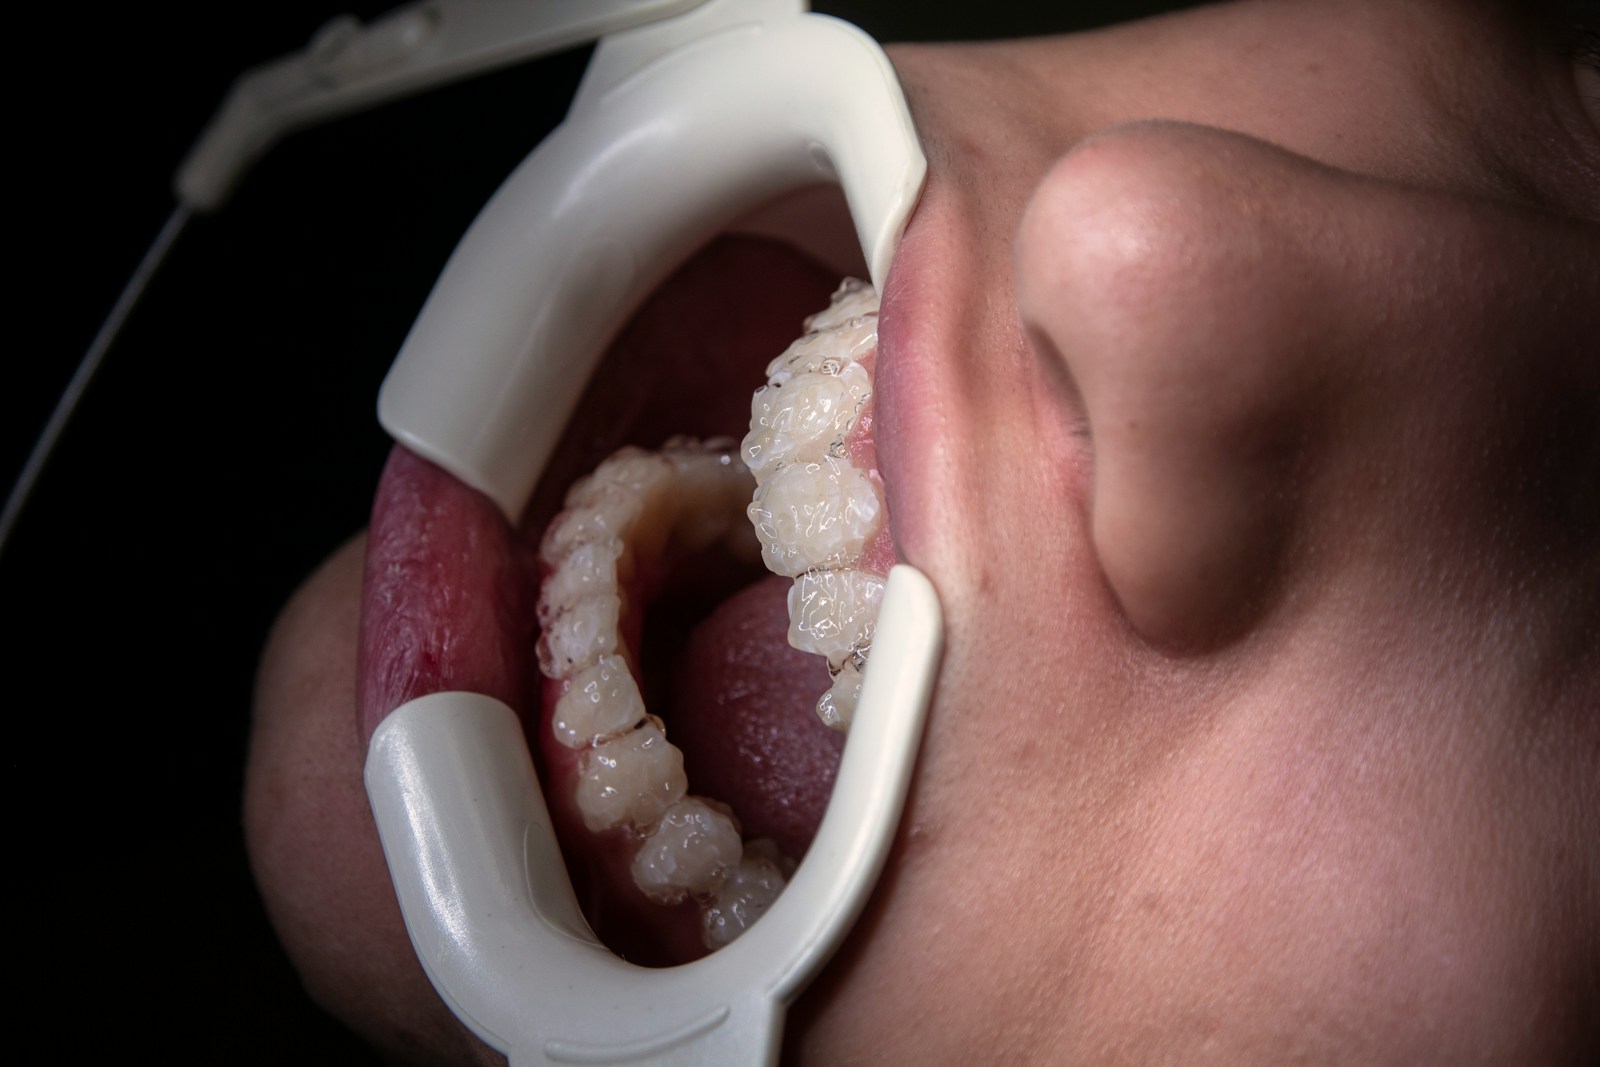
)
(742, 712)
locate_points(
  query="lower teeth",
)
(814, 513)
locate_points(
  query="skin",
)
(1262, 337)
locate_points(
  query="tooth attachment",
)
(814, 510)
(619, 521)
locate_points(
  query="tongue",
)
(742, 712)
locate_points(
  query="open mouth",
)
(678, 623)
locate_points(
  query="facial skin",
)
(1262, 340)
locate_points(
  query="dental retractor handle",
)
(493, 917)
(616, 197)
(350, 66)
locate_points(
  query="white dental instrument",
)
(680, 125)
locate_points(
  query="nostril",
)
(1158, 265)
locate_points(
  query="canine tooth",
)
(837, 707)
(800, 419)
(631, 780)
(601, 702)
(689, 851)
(833, 613)
(811, 515)
(853, 299)
(579, 635)
(746, 893)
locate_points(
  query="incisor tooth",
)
(811, 515)
(629, 781)
(689, 851)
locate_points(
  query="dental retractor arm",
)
(492, 914)
(611, 202)
(677, 130)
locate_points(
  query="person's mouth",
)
(678, 698)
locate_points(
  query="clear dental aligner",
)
(814, 510)
(814, 513)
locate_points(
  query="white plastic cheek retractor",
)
(678, 128)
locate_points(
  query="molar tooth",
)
(579, 635)
(631, 780)
(746, 893)
(811, 515)
(833, 613)
(689, 851)
(600, 702)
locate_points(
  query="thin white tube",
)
(51, 434)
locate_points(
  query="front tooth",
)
(600, 702)
(833, 613)
(630, 781)
(689, 851)
(804, 418)
(811, 515)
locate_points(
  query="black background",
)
(228, 445)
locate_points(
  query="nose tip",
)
(1156, 263)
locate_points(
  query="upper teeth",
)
(814, 510)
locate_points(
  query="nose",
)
(1181, 303)
(1279, 363)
